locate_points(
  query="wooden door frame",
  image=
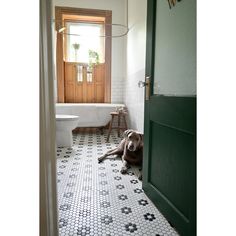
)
(107, 14)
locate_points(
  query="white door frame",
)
(48, 190)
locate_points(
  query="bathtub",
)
(90, 114)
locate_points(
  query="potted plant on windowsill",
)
(93, 59)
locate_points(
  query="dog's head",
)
(134, 139)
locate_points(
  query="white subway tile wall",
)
(134, 100)
(117, 88)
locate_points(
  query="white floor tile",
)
(96, 199)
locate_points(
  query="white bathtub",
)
(90, 114)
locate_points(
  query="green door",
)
(169, 168)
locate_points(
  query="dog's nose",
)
(131, 146)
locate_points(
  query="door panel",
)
(70, 90)
(70, 93)
(172, 180)
(84, 90)
(169, 167)
(99, 93)
(99, 78)
(79, 92)
(90, 92)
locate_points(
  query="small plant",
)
(93, 59)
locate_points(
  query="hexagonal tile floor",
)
(96, 199)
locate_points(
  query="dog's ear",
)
(141, 139)
(127, 132)
(141, 136)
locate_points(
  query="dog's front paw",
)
(100, 159)
(123, 170)
(140, 176)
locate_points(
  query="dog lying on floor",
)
(130, 149)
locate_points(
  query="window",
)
(83, 37)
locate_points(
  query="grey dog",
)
(130, 149)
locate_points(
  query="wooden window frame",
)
(107, 14)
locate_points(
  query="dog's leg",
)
(125, 166)
(109, 153)
(140, 175)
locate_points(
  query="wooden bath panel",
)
(82, 88)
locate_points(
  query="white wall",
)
(118, 44)
(136, 49)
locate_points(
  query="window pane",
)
(79, 73)
(89, 39)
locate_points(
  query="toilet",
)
(64, 126)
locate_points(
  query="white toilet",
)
(64, 126)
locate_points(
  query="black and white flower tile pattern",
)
(96, 199)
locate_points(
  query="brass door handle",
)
(147, 81)
(145, 84)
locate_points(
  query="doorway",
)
(78, 163)
(83, 58)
